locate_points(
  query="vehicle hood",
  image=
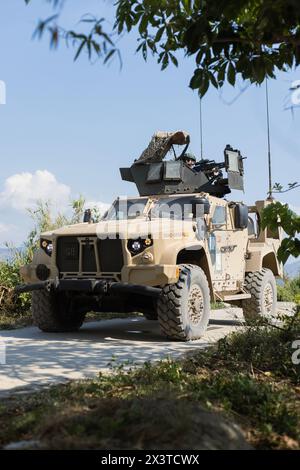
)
(125, 229)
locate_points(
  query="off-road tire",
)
(183, 308)
(263, 302)
(53, 312)
(150, 315)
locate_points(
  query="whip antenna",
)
(269, 143)
(201, 130)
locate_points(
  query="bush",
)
(11, 305)
(267, 349)
(290, 291)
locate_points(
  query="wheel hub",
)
(268, 298)
(195, 304)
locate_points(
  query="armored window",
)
(155, 173)
(123, 209)
(251, 227)
(178, 208)
(219, 217)
(173, 171)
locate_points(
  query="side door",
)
(236, 246)
(227, 246)
(217, 240)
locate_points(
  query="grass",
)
(247, 378)
(11, 322)
(218, 305)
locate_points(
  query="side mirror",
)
(241, 216)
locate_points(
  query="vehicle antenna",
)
(270, 196)
(201, 130)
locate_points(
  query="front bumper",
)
(151, 275)
(90, 286)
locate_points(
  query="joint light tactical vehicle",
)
(167, 253)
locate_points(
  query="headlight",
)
(136, 246)
(47, 246)
(139, 245)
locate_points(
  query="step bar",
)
(230, 297)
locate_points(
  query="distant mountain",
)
(292, 269)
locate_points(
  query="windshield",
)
(123, 209)
(180, 208)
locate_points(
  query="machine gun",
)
(154, 176)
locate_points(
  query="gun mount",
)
(152, 175)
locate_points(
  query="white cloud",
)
(21, 191)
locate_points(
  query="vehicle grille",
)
(109, 251)
(68, 254)
(111, 255)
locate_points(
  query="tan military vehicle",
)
(168, 253)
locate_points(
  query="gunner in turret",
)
(189, 159)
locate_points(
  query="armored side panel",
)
(153, 176)
(235, 181)
(235, 168)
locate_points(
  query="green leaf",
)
(187, 4)
(213, 80)
(79, 50)
(258, 69)
(143, 24)
(144, 50)
(109, 55)
(221, 72)
(97, 47)
(196, 79)
(54, 37)
(204, 86)
(165, 61)
(159, 34)
(173, 59)
(199, 56)
(231, 74)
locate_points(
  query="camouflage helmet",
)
(188, 156)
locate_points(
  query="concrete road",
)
(30, 358)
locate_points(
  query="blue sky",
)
(67, 127)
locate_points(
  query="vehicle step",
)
(241, 296)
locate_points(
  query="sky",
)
(67, 127)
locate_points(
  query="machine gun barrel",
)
(209, 165)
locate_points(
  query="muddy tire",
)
(53, 312)
(262, 287)
(183, 308)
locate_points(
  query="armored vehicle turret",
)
(152, 175)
